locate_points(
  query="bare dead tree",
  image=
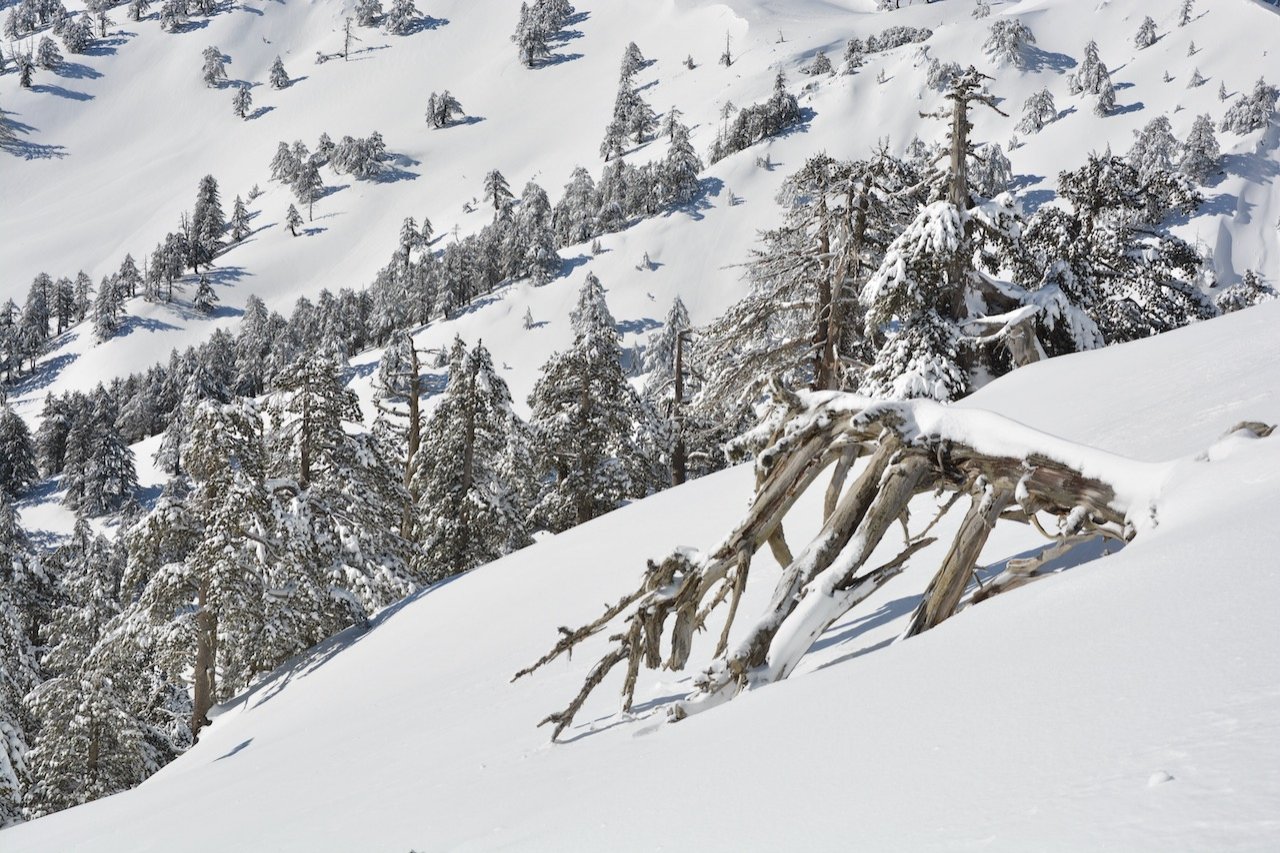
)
(1010, 473)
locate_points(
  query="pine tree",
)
(1008, 42)
(1147, 35)
(1101, 254)
(278, 77)
(1184, 15)
(801, 320)
(205, 300)
(397, 395)
(496, 191)
(64, 303)
(17, 455)
(292, 220)
(47, 55)
(51, 437)
(1200, 156)
(1037, 111)
(19, 669)
(402, 18)
(242, 101)
(208, 611)
(1253, 111)
(207, 222)
(530, 37)
(443, 109)
(584, 420)
(1197, 79)
(239, 221)
(1250, 291)
(469, 512)
(368, 12)
(679, 176)
(108, 311)
(214, 73)
(1093, 78)
(128, 278)
(1154, 149)
(99, 474)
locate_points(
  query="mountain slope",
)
(89, 207)
(1045, 719)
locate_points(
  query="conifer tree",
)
(1147, 35)
(239, 220)
(530, 37)
(496, 191)
(1253, 111)
(215, 69)
(401, 18)
(47, 55)
(205, 300)
(292, 220)
(584, 420)
(368, 12)
(1200, 157)
(207, 222)
(278, 76)
(99, 474)
(1037, 111)
(469, 510)
(17, 455)
(1184, 14)
(1154, 149)
(679, 177)
(1008, 41)
(64, 303)
(19, 669)
(242, 101)
(108, 310)
(1093, 78)
(51, 437)
(128, 278)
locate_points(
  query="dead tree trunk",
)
(1013, 473)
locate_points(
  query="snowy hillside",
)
(1051, 718)
(389, 396)
(112, 199)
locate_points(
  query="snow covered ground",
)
(109, 187)
(1129, 703)
(1045, 719)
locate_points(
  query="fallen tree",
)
(1008, 471)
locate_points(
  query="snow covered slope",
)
(1128, 704)
(120, 138)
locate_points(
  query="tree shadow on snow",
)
(644, 324)
(26, 149)
(1125, 109)
(77, 71)
(132, 324)
(259, 113)
(46, 373)
(1043, 60)
(557, 59)
(59, 91)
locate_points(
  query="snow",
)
(538, 124)
(1034, 721)
(1038, 720)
